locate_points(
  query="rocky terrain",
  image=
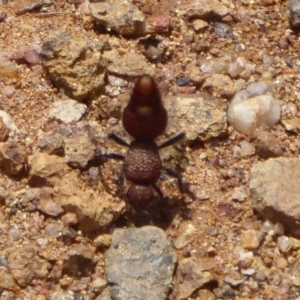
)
(228, 74)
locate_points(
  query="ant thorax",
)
(142, 163)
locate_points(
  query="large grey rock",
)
(199, 116)
(275, 191)
(139, 264)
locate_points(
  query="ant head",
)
(145, 117)
(145, 92)
(139, 195)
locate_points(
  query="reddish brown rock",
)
(128, 21)
(79, 261)
(74, 64)
(13, 158)
(192, 274)
(274, 191)
(25, 265)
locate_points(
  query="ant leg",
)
(158, 190)
(172, 140)
(173, 173)
(183, 187)
(114, 155)
(118, 139)
(120, 182)
(97, 160)
(163, 199)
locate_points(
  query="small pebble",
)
(31, 54)
(296, 243)
(274, 278)
(7, 120)
(296, 281)
(248, 272)
(8, 69)
(154, 54)
(212, 231)
(183, 81)
(247, 148)
(112, 91)
(250, 115)
(199, 25)
(278, 229)
(207, 67)
(211, 251)
(285, 244)
(249, 239)
(84, 8)
(53, 230)
(267, 226)
(294, 13)
(266, 76)
(223, 30)
(42, 242)
(291, 109)
(9, 91)
(94, 173)
(4, 131)
(14, 233)
(116, 81)
(3, 261)
(205, 295)
(281, 262)
(260, 275)
(67, 110)
(68, 234)
(3, 16)
(180, 242)
(239, 194)
(69, 219)
(49, 207)
(236, 68)
(98, 285)
(102, 241)
(228, 292)
(233, 282)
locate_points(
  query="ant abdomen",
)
(145, 117)
(142, 163)
(139, 195)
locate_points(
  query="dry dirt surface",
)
(67, 68)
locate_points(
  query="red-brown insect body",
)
(140, 195)
(142, 163)
(145, 117)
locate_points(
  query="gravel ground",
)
(67, 69)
